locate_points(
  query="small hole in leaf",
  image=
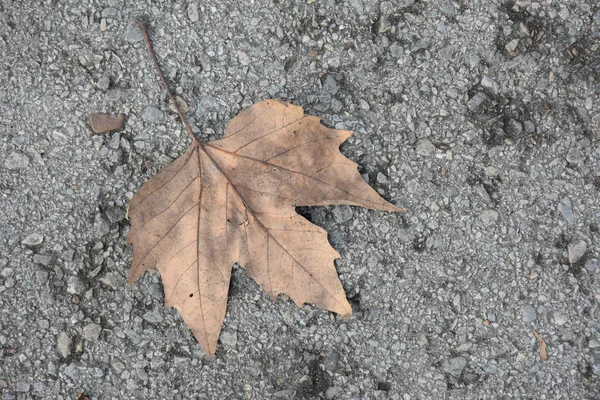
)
(191, 294)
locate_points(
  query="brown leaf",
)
(543, 352)
(232, 200)
(102, 123)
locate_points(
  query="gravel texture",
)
(480, 117)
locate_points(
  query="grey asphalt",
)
(480, 118)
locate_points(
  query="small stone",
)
(512, 45)
(64, 344)
(421, 44)
(476, 102)
(35, 239)
(114, 214)
(576, 251)
(560, 319)
(425, 148)
(132, 335)
(592, 264)
(455, 366)
(564, 13)
(101, 226)
(103, 83)
(72, 372)
(489, 217)
(133, 34)
(23, 386)
(514, 127)
(422, 339)
(141, 373)
(381, 178)
(108, 279)
(465, 347)
(243, 58)
(529, 127)
(364, 105)
(489, 84)
(91, 332)
(115, 141)
(336, 106)
(153, 115)
(192, 11)
(593, 344)
(330, 85)
(75, 285)
(325, 97)
(342, 214)
(332, 391)
(396, 50)
(448, 9)
(229, 338)
(565, 207)
(331, 361)
(42, 259)
(529, 314)
(6, 272)
(102, 123)
(60, 138)
(16, 160)
(153, 317)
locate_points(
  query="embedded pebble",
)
(16, 160)
(330, 85)
(565, 207)
(342, 213)
(35, 239)
(228, 338)
(64, 344)
(103, 83)
(455, 366)
(102, 123)
(332, 391)
(133, 33)
(425, 148)
(489, 217)
(101, 226)
(512, 45)
(153, 316)
(91, 332)
(153, 115)
(42, 259)
(192, 11)
(476, 102)
(75, 285)
(576, 251)
(23, 386)
(529, 314)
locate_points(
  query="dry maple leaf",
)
(233, 200)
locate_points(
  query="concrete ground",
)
(480, 117)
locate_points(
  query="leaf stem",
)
(142, 27)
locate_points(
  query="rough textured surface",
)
(480, 118)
